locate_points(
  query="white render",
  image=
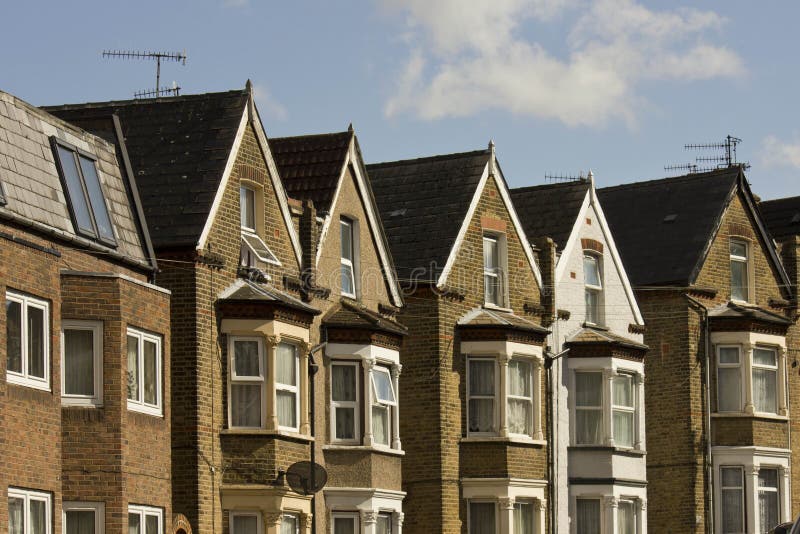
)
(618, 310)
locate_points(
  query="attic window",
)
(670, 218)
(85, 199)
(252, 244)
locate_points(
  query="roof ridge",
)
(782, 199)
(528, 188)
(438, 157)
(329, 134)
(141, 101)
(681, 178)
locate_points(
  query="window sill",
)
(265, 433)
(743, 415)
(616, 450)
(495, 307)
(501, 439)
(80, 403)
(378, 449)
(146, 410)
(26, 382)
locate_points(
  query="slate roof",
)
(733, 311)
(662, 227)
(781, 216)
(247, 291)
(592, 336)
(350, 314)
(422, 204)
(33, 189)
(178, 148)
(482, 317)
(310, 165)
(550, 210)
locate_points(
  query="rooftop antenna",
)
(726, 159)
(175, 90)
(690, 168)
(158, 56)
(564, 178)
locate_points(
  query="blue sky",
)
(562, 86)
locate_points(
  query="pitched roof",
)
(351, 314)
(550, 210)
(310, 165)
(592, 336)
(34, 193)
(482, 318)
(422, 204)
(178, 147)
(731, 310)
(243, 290)
(781, 216)
(662, 228)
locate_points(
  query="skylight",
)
(87, 206)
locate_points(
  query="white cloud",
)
(268, 105)
(469, 59)
(777, 153)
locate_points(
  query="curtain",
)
(289, 524)
(768, 499)
(592, 306)
(732, 515)
(519, 416)
(591, 272)
(79, 362)
(287, 408)
(588, 389)
(348, 283)
(80, 522)
(626, 517)
(151, 385)
(14, 335)
(343, 383)
(380, 424)
(623, 391)
(588, 422)
(523, 518)
(481, 415)
(343, 525)
(623, 428)
(245, 524)
(482, 518)
(729, 389)
(481, 377)
(16, 516)
(245, 358)
(133, 368)
(134, 524)
(764, 390)
(345, 423)
(519, 378)
(151, 524)
(588, 516)
(287, 358)
(384, 524)
(246, 405)
(36, 342)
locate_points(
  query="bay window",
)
(345, 523)
(749, 376)
(588, 408)
(481, 396)
(287, 386)
(383, 400)
(82, 362)
(27, 341)
(290, 524)
(144, 372)
(145, 520)
(345, 416)
(520, 397)
(29, 512)
(247, 381)
(768, 499)
(739, 270)
(606, 407)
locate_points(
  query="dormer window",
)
(247, 208)
(593, 285)
(739, 271)
(348, 258)
(493, 263)
(87, 205)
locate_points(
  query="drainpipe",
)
(312, 371)
(702, 309)
(552, 433)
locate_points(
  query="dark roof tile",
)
(781, 216)
(550, 210)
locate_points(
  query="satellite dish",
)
(306, 478)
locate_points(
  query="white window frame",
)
(600, 408)
(528, 502)
(246, 513)
(143, 511)
(346, 515)
(494, 398)
(32, 495)
(626, 409)
(600, 514)
(140, 405)
(531, 400)
(773, 368)
(296, 517)
(746, 261)
(247, 380)
(244, 189)
(596, 290)
(498, 272)
(778, 490)
(388, 405)
(24, 378)
(99, 509)
(387, 514)
(355, 405)
(349, 263)
(96, 327)
(294, 389)
(470, 502)
(634, 503)
(739, 366)
(742, 489)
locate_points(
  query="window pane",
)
(134, 524)
(623, 428)
(588, 388)
(765, 390)
(523, 518)
(79, 363)
(482, 518)
(36, 328)
(519, 416)
(151, 524)
(287, 358)
(768, 478)
(380, 425)
(96, 198)
(245, 524)
(588, 516)
(519, 378)
(289, 524)
(345, 423)
(343, 383)
(348, 284)
(738, 249)
(732, 477)
(383, 386)
(80, 522)
(346, 240)
(151, 385)
(491, 289)
(732, 500)
(768, 510)
(246, 405)
(38, 517)
(75, 191)
(384, 525)
(730, 389)
(16, 515)
(247, 202)
(623, 390)
(765, 357)
(739, 280)
(133, 368)
(481, 377)
(344, 525)
(481, 415)
(588, 424)
(729, 355)
(592, 306)
(287, 408)
(490, 255)
(591, 271)
(14, 335)
(246, 358)
(626, 517)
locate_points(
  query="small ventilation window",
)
(81, 181)
(670, 218)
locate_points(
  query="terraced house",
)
(85, 350)
(717, 303)
(473, 384)
(597, 403)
